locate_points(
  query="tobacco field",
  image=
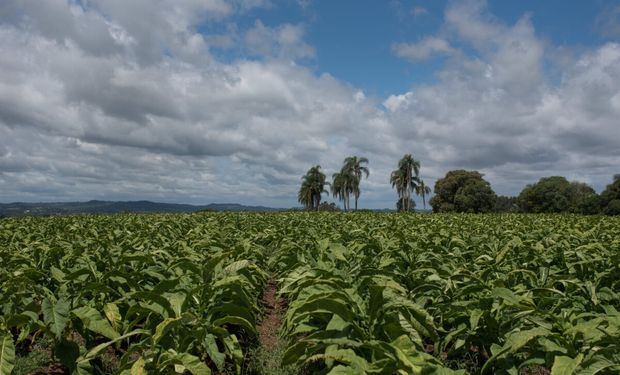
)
(365, 293)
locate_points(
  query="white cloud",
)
(497, 111)
(608, 22)
(98, 103)
(285, 41)
(423, 49)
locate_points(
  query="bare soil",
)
(270, 324)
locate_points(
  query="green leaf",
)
(563, 365)
(7, 354)
(93, 321)
(474, 318)
(509, 297)
(99, 348)
(342, 370)
(163, 327)
(236, 320)
(56, 316)
(113, 315)
(336, 323)
(138, 367)
(57, 274)
(597, 364)
(213, 351)
(514, 342)
(193, 364)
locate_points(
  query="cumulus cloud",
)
(423, 49)
(127, 100)
(496, 110)
(132, 115)
(608, 22)
(285, 41)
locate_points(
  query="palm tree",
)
(304, 196)
(405, 179)
(400, 204)
(397, 179)
(312, 186)
(337, 188)
(353, 165)
(343, 184)
(422, 190)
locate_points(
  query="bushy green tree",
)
(610, 197)
(463, 191)
(556, 194)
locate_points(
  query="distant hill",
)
(108, 207)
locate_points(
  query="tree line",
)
(346, 183)
(459, 191)
(468, 191)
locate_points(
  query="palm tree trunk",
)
(408, 189)
(356, 203)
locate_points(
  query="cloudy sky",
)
(199, 101)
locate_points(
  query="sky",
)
(201, 101)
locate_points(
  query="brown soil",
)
(53, 368)
(272, 320)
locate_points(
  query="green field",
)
(360, 293)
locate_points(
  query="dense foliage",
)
(162, 293)
(556, 194)
(463, 191)
(312, 187)
(367, 293)
(610, 198)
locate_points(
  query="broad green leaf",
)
(57, 274)
(514, 342)
(192, 364)
(56, 316)
(92, 353)
(113, 315)
(563, 365)
(7, 354)
(342, 370)
(93, 321)
(213, 351)
(163, 327)
(236, 320)
(138, 367)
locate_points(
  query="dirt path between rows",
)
(269, 326)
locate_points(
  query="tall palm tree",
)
(337, 188)
(343, 184)
(422, 190)
(405, 179)
(354, 165)
(312, 186)
(304, 196)
(397, 179)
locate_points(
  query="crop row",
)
(367, 293)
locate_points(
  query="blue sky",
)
(353, 39)
(200, 101)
